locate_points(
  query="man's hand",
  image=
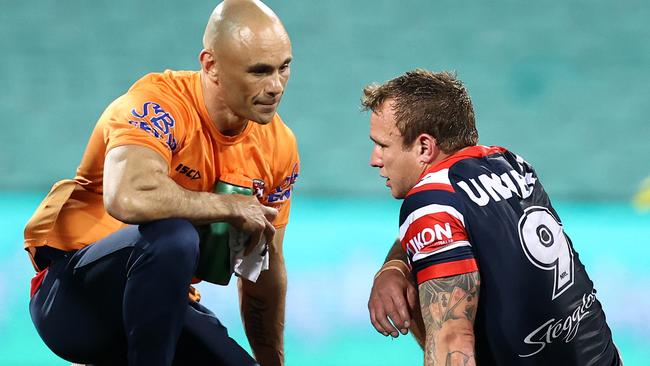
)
(248, 215)
(392, 297)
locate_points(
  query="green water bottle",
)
(214, 259)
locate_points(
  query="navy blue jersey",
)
(484, 209)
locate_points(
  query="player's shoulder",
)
(434, 193)
(167, 93)
(174, 89)
(478, 155)
(433, 181)
(436, 187)
(487, 163)
(478, 161)
(158, 103)
(472, 155)
(168, 88)
(160, 82)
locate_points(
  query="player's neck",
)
(437, 158)
(228, 123)
(223, 118)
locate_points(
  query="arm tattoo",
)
(449, 308)
(465, 359)
(254, 314)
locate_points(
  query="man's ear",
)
(427, 148)
(209, 65)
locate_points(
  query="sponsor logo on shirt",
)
(283, 191)
(564, 329)
(156, 121)
(492, 186)
(188, 172)
(429, 235)
(258, 188)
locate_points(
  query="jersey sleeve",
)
(280, 196)
(434, 237)
(143, 119)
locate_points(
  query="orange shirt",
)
(166, 112)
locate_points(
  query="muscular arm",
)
(138, 189)
(262, 307)
(448, 309)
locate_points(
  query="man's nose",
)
(375, 158)
(274, 86)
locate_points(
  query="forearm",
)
(168, 199)
(445, 350)
(448, 309)
(396, 253)
(263, 308)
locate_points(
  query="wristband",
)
(396, 262)
(388, 266)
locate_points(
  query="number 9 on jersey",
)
(543, 240)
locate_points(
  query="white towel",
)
(247, 266)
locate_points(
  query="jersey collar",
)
(477, 151)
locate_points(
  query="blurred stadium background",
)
(566, 84)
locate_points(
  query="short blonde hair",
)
(426, 102)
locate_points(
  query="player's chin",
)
(264, 113)
(264, 118)
(397, 194)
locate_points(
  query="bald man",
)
(116, 248)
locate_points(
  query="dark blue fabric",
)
(457, 254)
(425, 198)
(124, 300)
(524, 315)
(516, 304)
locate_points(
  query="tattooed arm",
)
(448, 309)
(262, 307)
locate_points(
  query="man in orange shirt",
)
(116, 247)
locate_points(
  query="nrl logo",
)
(258, 188)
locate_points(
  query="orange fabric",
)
(166, 112)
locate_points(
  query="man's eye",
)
(260, 71)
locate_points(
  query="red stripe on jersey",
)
(447, 269)
(468, 152)
(436, 237)
(428, 186)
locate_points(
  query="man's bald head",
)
(239, 21)
(244, 64)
